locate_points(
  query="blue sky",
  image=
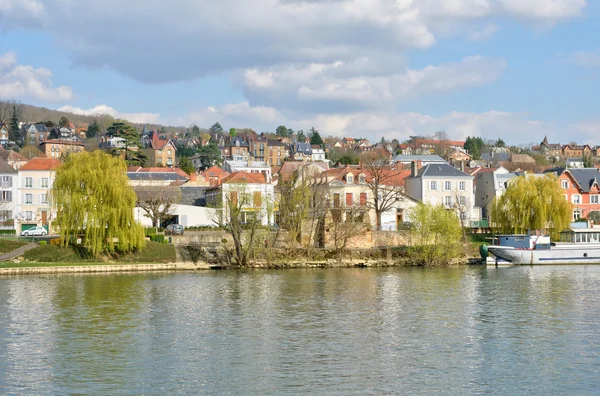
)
(519, 69)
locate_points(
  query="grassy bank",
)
(8, 245)
(52, 255)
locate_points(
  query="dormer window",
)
(237, 143)
(349, 178)
(361, 179)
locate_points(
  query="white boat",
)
(576, 246)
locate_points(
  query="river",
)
(516, 330)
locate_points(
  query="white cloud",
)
(26, 82)
(485, 33)
(237, 115)
(216, 36)
(104, 109)
(362, 83)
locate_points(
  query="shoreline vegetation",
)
(156, 256)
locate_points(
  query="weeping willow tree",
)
(532, 203)
(93, 199)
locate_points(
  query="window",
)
(6, 181)
(462, 200)
(28, 215)
(168, 152)
(44, 198)
(447, 186)
(448, 200)
(29, 199)
(44, 182)
(594, 199)
(336, 200)
(363, 199)
(6, 196)
(576, 198)
(361, 179)
(5, 215)
(349, 178)
(278, 153)
(257, 199)
(349, 199)
(29, 182)
(576, 215)
(433, 185)
(564, 184)
(159, 152)
(462, 186)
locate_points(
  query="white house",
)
(186, 215)
(442, 184)
(318, 154)
(574, 163)
(250, 191)
(248, 167)
(35, 181)
(8, 196)
(491, 183)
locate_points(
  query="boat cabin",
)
(522, 241)
(580, 235)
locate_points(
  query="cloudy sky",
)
(519, 69)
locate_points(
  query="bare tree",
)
(6, 108)
(157, 201)
(347, 222)
(462, 204)
(383, 181)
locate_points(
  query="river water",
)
(517, 330)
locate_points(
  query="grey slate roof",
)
(557, 171)
(164, 176)
(193, 195)
(441, 170)
(422, 158)
(304, 148)
(585, 177)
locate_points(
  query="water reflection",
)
(347, 331)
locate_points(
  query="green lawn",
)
(53, 255)
(8, 245)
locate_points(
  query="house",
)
(258, 148)
(442, 184)
(458, 158)
(276, 152)
(238, 149)
(573, 150)
(213, 176)
(548, 149)
(34, 134)
(248, 166)
(35, 182)
(426, 159)
(14, 159)
(250, 192)
(109, 142)
(8, 196)
(521, 159)
(574, 163)
(318, 154)
(163, 150)
(156, 176)
(4, 135)
(348, 188)
(490, 183)
(58, 148)
(581, 189)
(301, 151)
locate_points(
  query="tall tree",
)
(92, 130)
(232, 132)
(474, 145)
(384, 182)
(6, 107)
(282, 131)
(300, 136)
(14, 133)
(499, 143)
(133, 154)
(63, 122)
(195, 131)
(532, 203)
(93, 198)
(216, 128)
(209, 155)
(435, 235)
(588, 161)
(315, 138)
(186, 165)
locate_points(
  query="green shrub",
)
(8, 232)
(157, 238)
(43, 243)
(150, 231)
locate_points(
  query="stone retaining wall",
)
(103, 268)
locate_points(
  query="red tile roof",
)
(213, 171)
(65, 142)
(245, 177)
(41, 164)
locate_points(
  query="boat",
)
(577, 245)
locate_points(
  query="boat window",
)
(519, 238)
(577, 238)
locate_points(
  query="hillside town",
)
(193, 174)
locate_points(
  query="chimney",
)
(193, 176)
(413, 168)
(462, 166)
(419, 164)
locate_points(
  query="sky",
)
(516, 69)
